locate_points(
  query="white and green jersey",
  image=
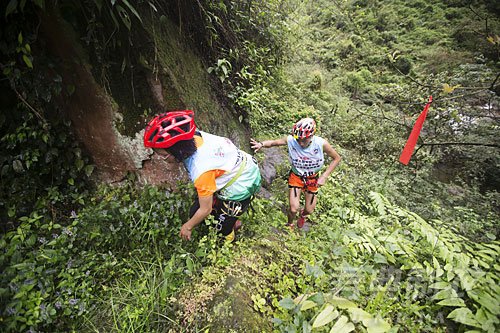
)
(219, 153)
(306, 161)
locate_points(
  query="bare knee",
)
(309, 207)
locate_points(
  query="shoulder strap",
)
(238, 174)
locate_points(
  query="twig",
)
(412, 79)
(494, 81)
(493, 145)
(30, 107)
(377, 117)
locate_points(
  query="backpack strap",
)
(238, 174)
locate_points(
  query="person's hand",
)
(255, 145)
(321, 181)
(186, 232)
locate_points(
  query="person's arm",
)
(202, 212)
(328, 149)
(256, 146)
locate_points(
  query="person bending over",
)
(225, 178)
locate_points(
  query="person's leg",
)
(227, 213)
(311, 191)
(294, 200)
(295, 185)
(311, 200)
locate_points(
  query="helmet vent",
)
(152, 136)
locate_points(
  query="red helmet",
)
(304, 128)
(166, 129)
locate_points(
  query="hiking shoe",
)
(301, 221)
(230, 238)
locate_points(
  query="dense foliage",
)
(389, 248)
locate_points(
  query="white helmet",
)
(304, 128)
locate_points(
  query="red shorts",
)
(310, 184)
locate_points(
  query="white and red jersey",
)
(306, 161)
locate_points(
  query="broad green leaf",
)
(464, 316)
(447, 293)
(79, 164)
(489, 303)
(327, 315)
(301, 298)
(376, 325)
(307, 304)
(440, 285)
(486, 318)
(379, 258)
(450, 275)
(489, 251)
(453, 301)
(358, 315)
(306, 327)
(343, 325)
(467, 282)
(287, 303)
(437, 266)
(342, 303)
(190, 264)
(88, 170)
(27, 61)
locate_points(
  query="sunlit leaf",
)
(440, 285)
(326, 316)
(342, 303)
(452, 301)
(358, 315)
(463, 316)
(376, 325)
(307, 304)
(343, 325)
(446, 293)
(489, 303)
(447, 89)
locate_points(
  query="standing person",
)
(306, 154)
(225, 178)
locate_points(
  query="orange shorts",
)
(310, 184)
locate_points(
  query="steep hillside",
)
(90, 242)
